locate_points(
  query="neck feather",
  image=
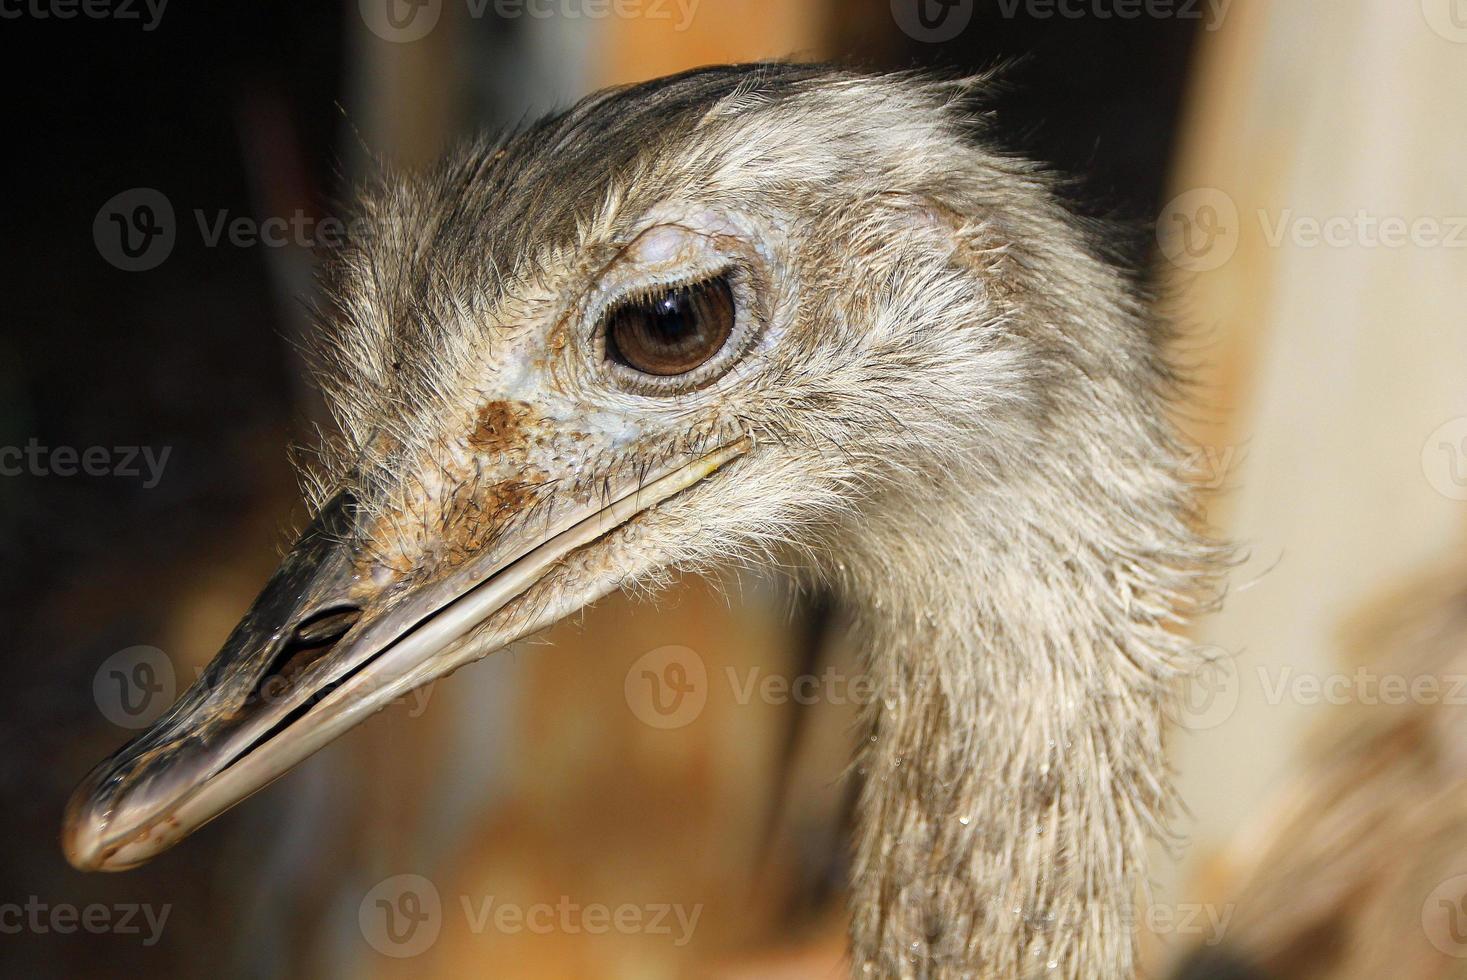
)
(1023, 646)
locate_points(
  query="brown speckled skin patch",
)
(500, 426)
(476, 525)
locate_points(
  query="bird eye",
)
(673, 331)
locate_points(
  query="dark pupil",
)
(673, 332)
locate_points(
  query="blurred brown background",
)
(1259, 156)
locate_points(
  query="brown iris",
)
(674, 331)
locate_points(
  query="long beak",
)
(318, 653)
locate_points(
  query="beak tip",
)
(81, 839)
(84, 828)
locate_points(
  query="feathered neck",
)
(1023, 646)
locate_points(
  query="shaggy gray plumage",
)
(959, 419)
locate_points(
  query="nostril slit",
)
(314, 637)
(326, 626)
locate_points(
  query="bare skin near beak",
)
(319, 652)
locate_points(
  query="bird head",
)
(733, 316)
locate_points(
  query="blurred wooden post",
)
(1320, 133)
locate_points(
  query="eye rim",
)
(704, 297)
(747, 328)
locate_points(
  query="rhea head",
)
(778, 314)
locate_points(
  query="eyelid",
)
(643, 288)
